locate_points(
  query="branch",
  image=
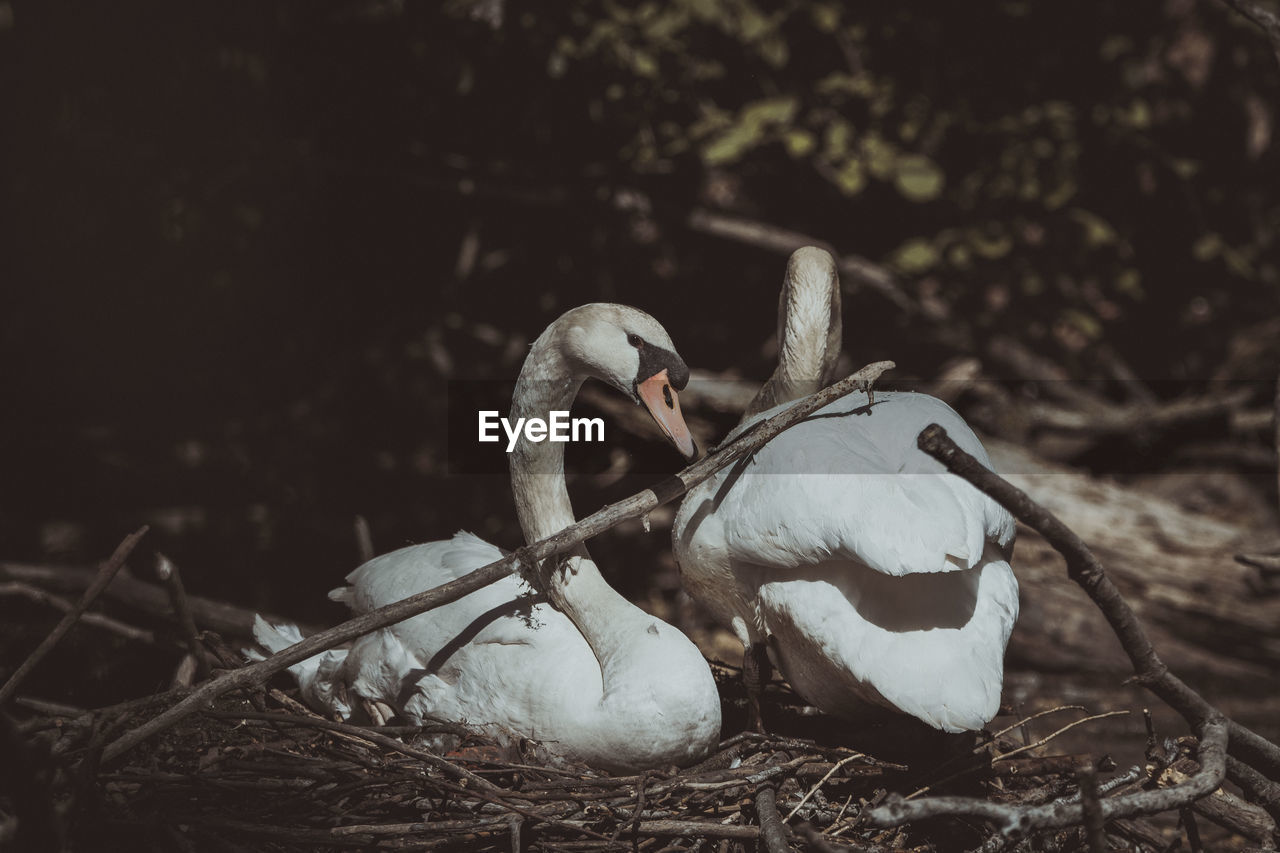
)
(531, 556)
(100, 582)
(1085, 569)
(783, 241)
(226, 619)
(1017, 821)
(771, 831)
(172, 579)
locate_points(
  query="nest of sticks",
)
(233, 763)
(258, 771)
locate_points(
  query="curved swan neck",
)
(809, 330)
(546, 383)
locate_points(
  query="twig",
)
(1085, 569)
(1016, 821)
(1226, 810)
(783, 241)
(532, 555)
(447, 767)
(214, 615)
(1192, 829)
(1037, 715)
(104, 576)
(1091, 809)
(771, 831)
(98, 620)
(172, 580)
(695, 829)
(841, 763)
(1258, 788)
(1047, 738)
(819, 842)
(991, 765)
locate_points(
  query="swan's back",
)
(504, 661)
(850, 482)
(882, 577)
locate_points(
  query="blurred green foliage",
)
(249, 242)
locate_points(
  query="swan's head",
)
(632, 352)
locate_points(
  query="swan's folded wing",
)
(949, 676)
(851, 484)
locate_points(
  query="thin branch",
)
(1016, 821)
(771, 831)
(99, 620)
(1091, 809)
(172, 579)
(783, 241)
(1085, 569)
(1044, 740)
(530, 556)
(841, 763)
(1258, 788)
(104, 576)
(226, 619)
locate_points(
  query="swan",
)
(591, 676)
(867, 573)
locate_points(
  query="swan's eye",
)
(635, 340)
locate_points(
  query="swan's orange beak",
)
(660, 399)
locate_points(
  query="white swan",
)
(595, 678)
(869, 573)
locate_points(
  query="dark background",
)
(247, 245)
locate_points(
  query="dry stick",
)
(532, 555)
(104, 576)
(66, 605)
(1091, 809)
(1003, 756)
(1258, 788)
(141, 595)
(447, 767)
(1044, 740)
(841, 763)
(1085, 569)
(172, 580)
(773, 238)
(467, 781)
(771, 831)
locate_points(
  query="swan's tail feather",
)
(319, 677)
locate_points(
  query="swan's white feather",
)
(881, 577)
(507, 663)
(868, 492)
(595, 679)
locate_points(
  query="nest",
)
(233, 764)
(258, 771)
